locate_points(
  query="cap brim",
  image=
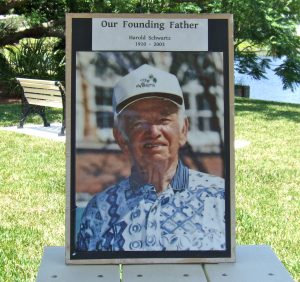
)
(173, 98)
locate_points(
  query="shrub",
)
(32, 58)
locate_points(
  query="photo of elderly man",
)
(162, 205)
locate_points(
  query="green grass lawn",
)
(268, 178)
(10, 115)
(32, 187)
(32, 197)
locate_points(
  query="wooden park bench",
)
(38, 94)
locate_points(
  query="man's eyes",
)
(165, 120)
(137, 124)
(144, 124)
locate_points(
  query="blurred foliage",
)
(41, 11)
(31, 58)
(34, 58)
(261, 28)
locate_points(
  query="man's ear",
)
(120, 139)
(183, 132)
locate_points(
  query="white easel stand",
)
(253, 264)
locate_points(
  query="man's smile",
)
(153, 145)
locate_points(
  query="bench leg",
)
(62, 131)
(63, 128)
(33, 109)
(26, 110)
(41, 112)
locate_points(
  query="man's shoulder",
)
(107, 199)
(113, 190)
(197, 178)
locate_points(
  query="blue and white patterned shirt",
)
(130, 216)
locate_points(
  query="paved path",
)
(38, 130)
(52, 133)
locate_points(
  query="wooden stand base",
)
(253, 263)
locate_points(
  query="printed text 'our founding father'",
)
(150, 24)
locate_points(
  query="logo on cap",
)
(147, 82)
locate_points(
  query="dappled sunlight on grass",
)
(268, 178)
(32, 191)
(32, 203)
(266, 110)
(10, 115)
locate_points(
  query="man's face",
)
(153, 132)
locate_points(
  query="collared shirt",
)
(130, 216)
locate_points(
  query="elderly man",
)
(162, 205)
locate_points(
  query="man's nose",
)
(153, 130)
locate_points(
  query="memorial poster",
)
(150, 159)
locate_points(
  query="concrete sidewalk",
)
(39, 130)
(52, 131)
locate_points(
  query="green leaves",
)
(261, 27)
(267, 28)
(36, 59)
(41, 11)
(250, 63)
(289, 71)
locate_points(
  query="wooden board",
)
(36, 81)
(39, 86)
(43, 97)
(47, 92)
(46, 103)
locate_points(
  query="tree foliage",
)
(261, 28)
(36, 59)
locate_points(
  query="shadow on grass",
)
(267, 110)
(10, 115)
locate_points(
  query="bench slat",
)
(46, 92)
(46, 103)
(43, 93)
(39, 86)
(36, 81)
(42, 97)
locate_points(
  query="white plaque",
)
(149, 34)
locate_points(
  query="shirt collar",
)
(179, 181)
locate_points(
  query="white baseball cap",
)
(146, 82)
